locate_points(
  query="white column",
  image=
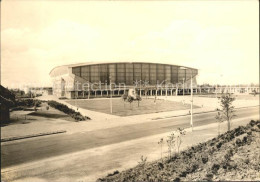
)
(183, 87)
(191, 119)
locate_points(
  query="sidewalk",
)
(91, 164)
(102, 120)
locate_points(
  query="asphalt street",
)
(28, 150)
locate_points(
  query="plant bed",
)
(233, 155)
(76, 115)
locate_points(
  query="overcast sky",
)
(220, 38)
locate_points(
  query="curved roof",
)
(109, 62)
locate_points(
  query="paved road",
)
(45, 147)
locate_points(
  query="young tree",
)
(143, 161)
(171, 143)
(138, 98)
(124, 98)
(180, 133)
(130, 99)
(161, 143)
(227, 109)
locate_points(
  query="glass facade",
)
(153, 74)
(85, 72)
(145, 72)
(94, 73)
(129, 72)
(137, 71)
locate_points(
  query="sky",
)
(219, 38)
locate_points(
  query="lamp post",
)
(111, 104)
(140, 87)
(191, 106)
(183, 87)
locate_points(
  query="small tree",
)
(170, 142)
(180, 133)
(142, 162)
(161, 143)
(124, 98)
(227, 109)
(130, 99)
(138, 98)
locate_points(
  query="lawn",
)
(121, 108)
(41, 115)
(238, 97)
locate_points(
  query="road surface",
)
(29, 150)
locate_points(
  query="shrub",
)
(28, 102)
(215, 168)
(76, 115)
(238, 142)
(112, 174)
(209, 177)
(204, 159)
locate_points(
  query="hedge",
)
(76, 115)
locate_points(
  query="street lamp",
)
(183, 87)
(111, 104)
(191, 105)
(140, 87)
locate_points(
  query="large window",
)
(153, 74)
(120, 73)
(76, 71)
(103, 73)
(188, 74)
(181, 75)
(94, 72)
(112, 73)
(168, 74)
(174, 74)
(85, 73)
(137, 72)
(145, 72)
(129, 73)
(160, 73)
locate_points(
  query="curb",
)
(167, 117)
(31, 136)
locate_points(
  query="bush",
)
(28, 102)
(76, 115)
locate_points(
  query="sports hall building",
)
(102, 79)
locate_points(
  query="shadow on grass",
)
(15, 121)
(48, 115)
